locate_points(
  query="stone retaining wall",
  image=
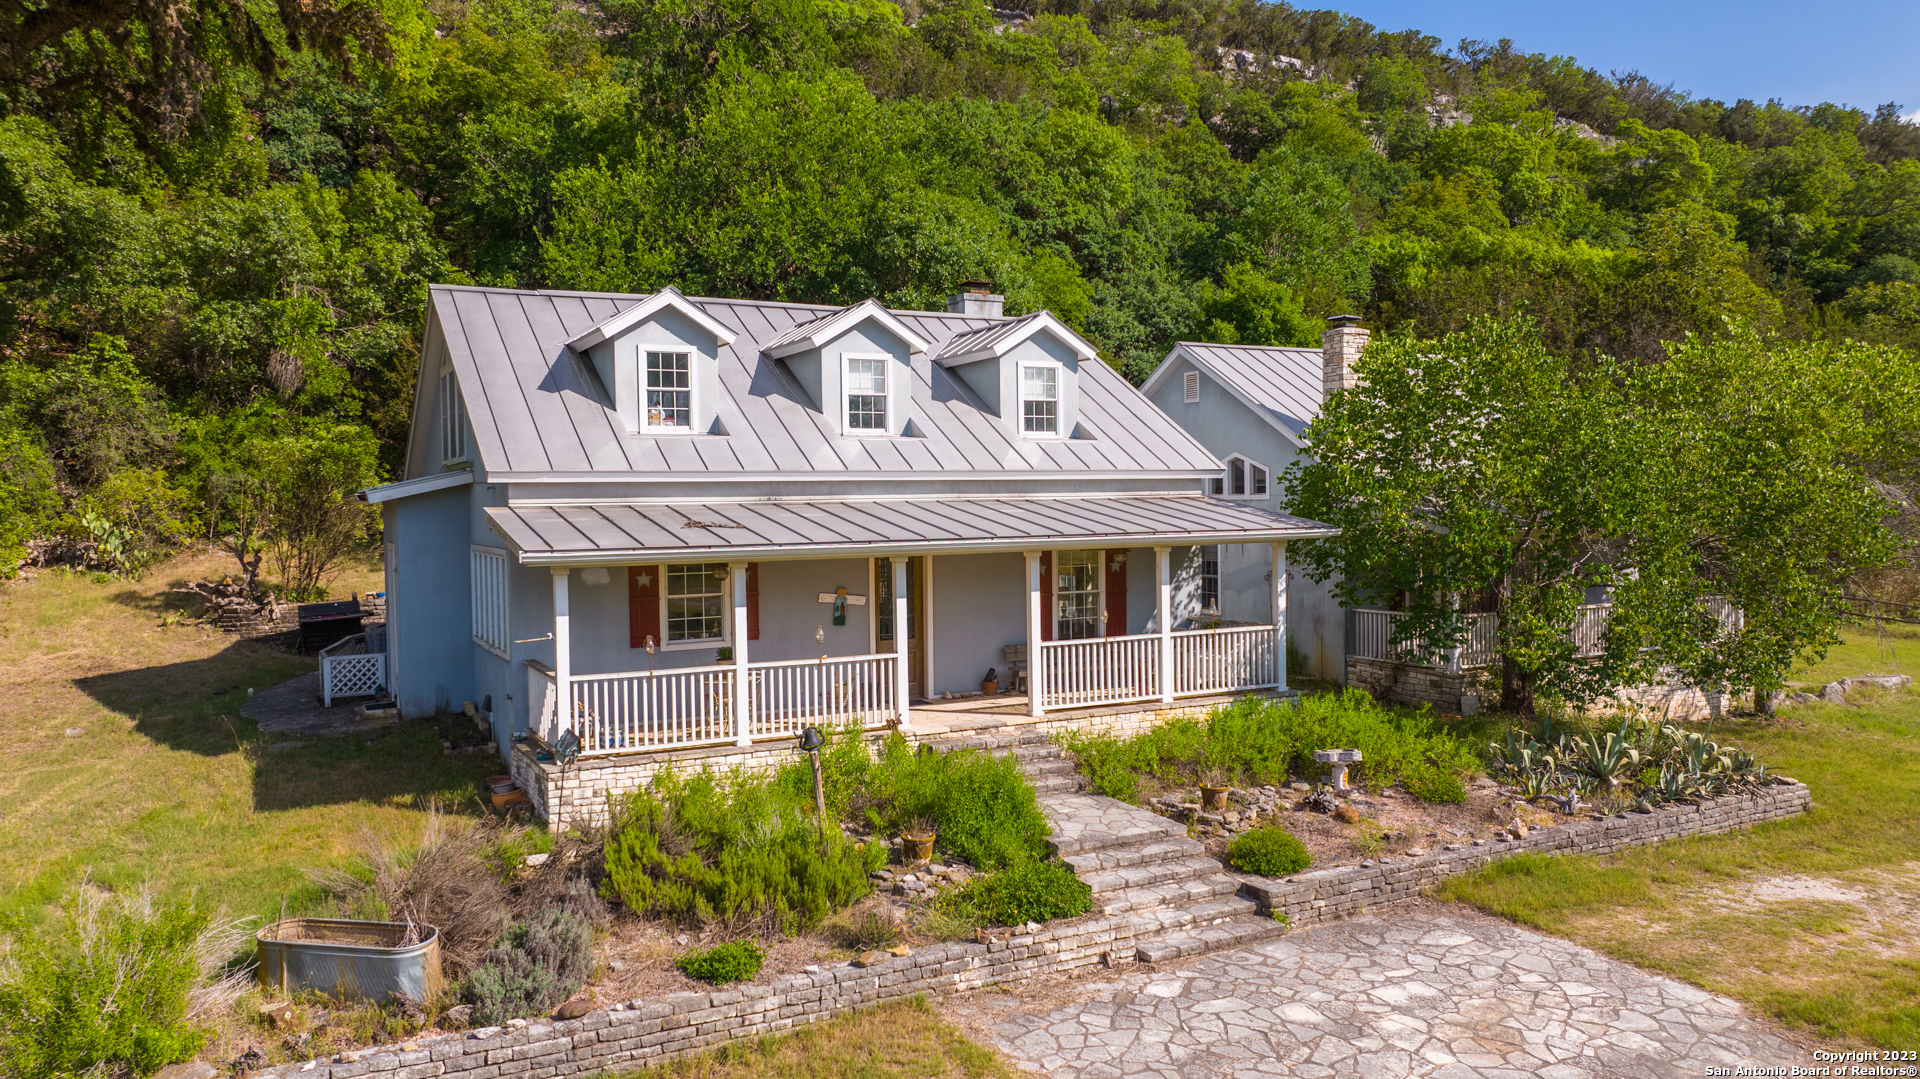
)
(1404, 683)
(581, 792)
(1325, 894)
(634, 1034)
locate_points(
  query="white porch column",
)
(1163, 615)
(742, 699)
(902, 654)
(1035, 707)
(1280, 610)
(562, 654)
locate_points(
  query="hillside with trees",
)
(218, 219)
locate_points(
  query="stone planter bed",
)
(655, 1028)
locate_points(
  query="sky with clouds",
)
(1854, 52)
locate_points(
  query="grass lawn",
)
(131, 761)
(899, 1041)
(1816, 920)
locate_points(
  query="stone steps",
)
(1192, 915)
(1056, 784)
(1171, 893)
(1142, 874)
(1094, 861)
(1199, 940)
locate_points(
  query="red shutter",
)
(1116, 594)
(753, 601)
(643, 605)
(1046, 596)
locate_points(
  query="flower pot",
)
(916, 848)
(989, 688)
(1213, 798)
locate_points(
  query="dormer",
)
(1027, 370)
(857, 364)
(660, 361)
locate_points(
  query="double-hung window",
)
(1210, 579)
(453, 419)
(866, 381)
(696, 600)
(1040, 399)
(669, 391)
(1076, 595)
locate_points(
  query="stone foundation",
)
(581, 793)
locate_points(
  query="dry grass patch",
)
(893, 1041)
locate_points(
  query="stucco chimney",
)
(978, 299)
(1340, 346)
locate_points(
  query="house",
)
(660, 523)
(1250, 405)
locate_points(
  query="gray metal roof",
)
(536, 409)
(619, 533)
(1282, 384)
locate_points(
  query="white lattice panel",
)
(352, 676)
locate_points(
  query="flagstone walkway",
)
(1428, 990)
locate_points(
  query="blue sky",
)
(1855, 52)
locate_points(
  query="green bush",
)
(1268, 852)
(1267, 741)
(734, 961)
(693, 848)
(532, 968)
(1028, 892)
(1437, 786)
(110, 991)
(982, 807)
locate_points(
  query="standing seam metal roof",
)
(1285, 382)
(534, 407)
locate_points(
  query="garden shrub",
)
(1033, 891)
(1436, 786)
(532, 968)
(1268, 852)
(983, 809)
(734, 961)
(116, 988)
(1266, 741)
(693, 848)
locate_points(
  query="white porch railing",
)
(693, 706)
(347, 669)
(1100, 670)
(1373, 638)
(1225, 660)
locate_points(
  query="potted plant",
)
(1213, 788)
(916, 841)
(990, 685)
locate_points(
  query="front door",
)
(883, 621)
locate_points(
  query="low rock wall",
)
(1325, 894)
(1404, 683)
(634, 1034)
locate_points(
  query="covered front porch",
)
(883, 621)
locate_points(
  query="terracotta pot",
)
(1213, 797)
(916, 848)
(989, 688)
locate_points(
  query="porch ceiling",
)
(621, 533)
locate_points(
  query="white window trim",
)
(1100, 580)
(693, 388)
(1226, 484)
(505, 600)
(846, 413)
(1059, 400)
(725, 640)
(453, 416)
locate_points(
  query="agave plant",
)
(1518, 754)
(1606, 757)
(1675, 784)
(1535, 784)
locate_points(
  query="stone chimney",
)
(978, 299)
(1339, 347)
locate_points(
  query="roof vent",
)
(1340, 347)
(978, 299)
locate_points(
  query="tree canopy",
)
(218, 220)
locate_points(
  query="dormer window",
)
(1243, 479)
(866, 384)
(669, 391)
(1040, 399)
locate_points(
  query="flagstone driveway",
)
(1429, 990)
